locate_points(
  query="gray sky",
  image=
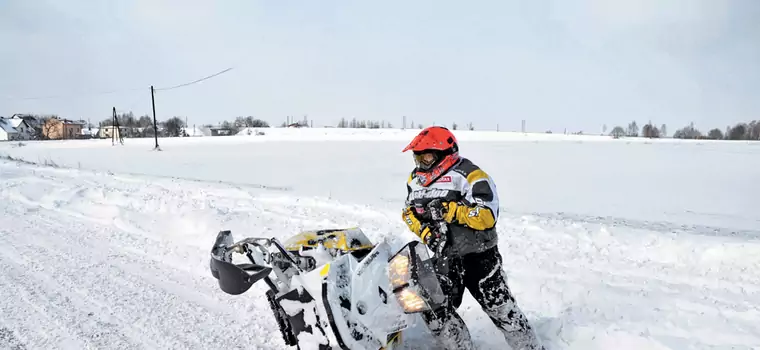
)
(557, 64)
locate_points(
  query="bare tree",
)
(127, 119)
(650, 131)
(173, 126)
(49, 127)
(617, 132)
(689, 132)
(230, 126)
(633, 129)
(145, 121)
(715, 134)
(738, 132)
(754, 130)
(250, 122)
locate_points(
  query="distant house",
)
(108, 131)
(7, 131)
(90, 132)
(58, 129)
(30, 120)
(195, 131)
(221, 131)
(24, 130)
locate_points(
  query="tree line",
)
(175, 126)
(142, 126)
(740, 131)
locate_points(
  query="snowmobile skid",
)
(332, 289)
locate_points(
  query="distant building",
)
(61, 129)
(7, 131)
(221, 131)
(24, 129)
(196, 131)
(90, 132)
(108, 131)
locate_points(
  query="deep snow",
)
(609, 244)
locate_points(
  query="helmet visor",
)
(425, 160)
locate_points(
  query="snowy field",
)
(608, 244)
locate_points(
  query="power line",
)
(80, 95)
(195, 81)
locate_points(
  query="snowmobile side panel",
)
(356, 295)
(370, 286)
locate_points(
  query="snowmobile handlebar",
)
(263, 244)
(238, 278)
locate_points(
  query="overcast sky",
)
(557, 64)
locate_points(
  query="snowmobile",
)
(334, 288)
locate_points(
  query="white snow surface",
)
(608, 244)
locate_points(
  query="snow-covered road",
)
(94, 260)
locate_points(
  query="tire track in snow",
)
(69, 270)
(69, 314)
(194, 302)
(124, 278)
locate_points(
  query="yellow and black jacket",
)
(472, 202)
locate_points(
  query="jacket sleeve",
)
(479, 209)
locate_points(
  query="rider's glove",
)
(435, 237)
(413, 223)
(441, 211)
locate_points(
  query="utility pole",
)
(116, 129)
(155, 124)
(113, 127)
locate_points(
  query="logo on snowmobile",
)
(366, 263)
(428, 193)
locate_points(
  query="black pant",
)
(482, 274)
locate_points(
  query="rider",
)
(445, 187)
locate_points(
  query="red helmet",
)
(435, 151)
(433, 138)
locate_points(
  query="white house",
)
(91, 132)
(24, 130)
(7, 131)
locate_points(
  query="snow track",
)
(78, 282)
(92, 260)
